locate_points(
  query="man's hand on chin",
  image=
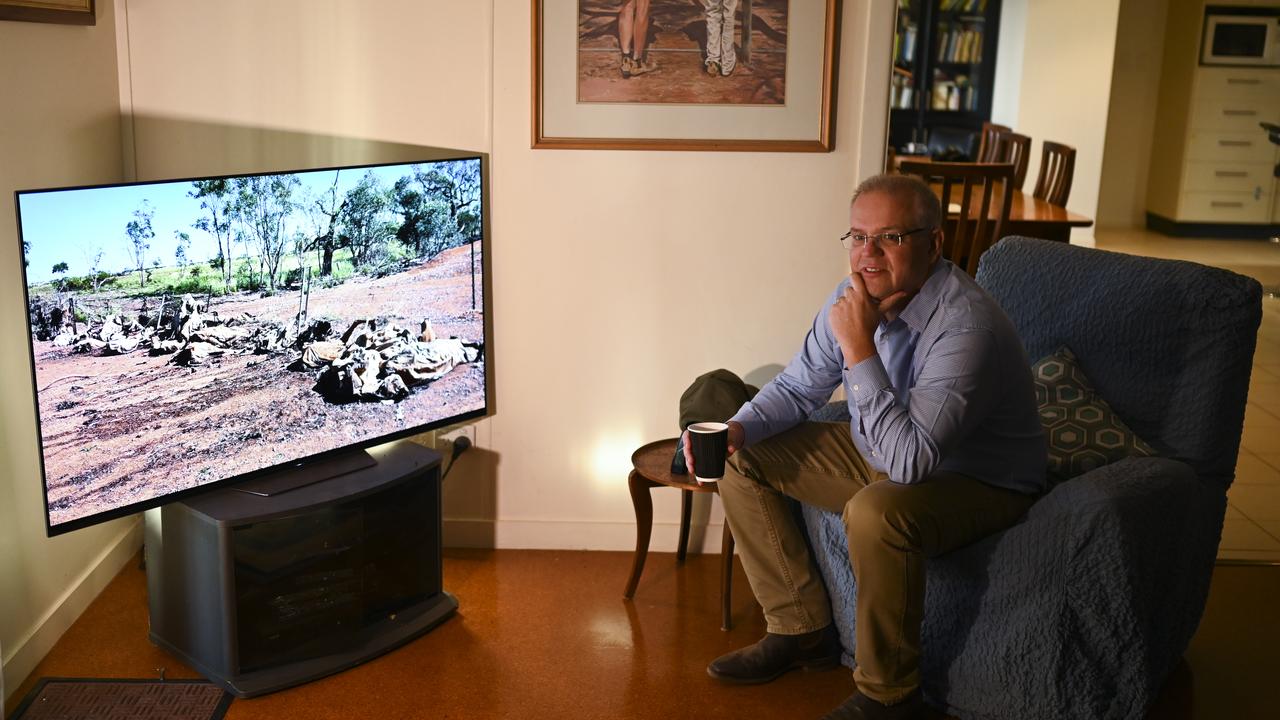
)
(854, 318)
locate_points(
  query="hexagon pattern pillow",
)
(1083, 431)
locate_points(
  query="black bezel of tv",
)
(134, 508)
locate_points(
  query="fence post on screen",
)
(164, 300)
(304, 299)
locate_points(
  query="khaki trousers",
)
(891, 528)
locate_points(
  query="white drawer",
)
(1228, 177)
(1221, 82)
(1240, 114)
(1229, 147)
(1224, 207)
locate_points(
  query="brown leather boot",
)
(774, 655)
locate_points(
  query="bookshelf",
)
(944, 56)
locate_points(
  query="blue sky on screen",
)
(71, 226)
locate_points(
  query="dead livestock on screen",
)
(379, 360)
(375, 359)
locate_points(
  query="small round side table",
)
(651, 467)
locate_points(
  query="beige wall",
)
(595, 255)
(1066, 88)
(598, 258)
(59, 125)
(1009, 59)
(1132, 117)
(214, 87)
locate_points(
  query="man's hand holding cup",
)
(707, 445)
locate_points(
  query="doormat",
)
(108, 699)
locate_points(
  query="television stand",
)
(306, 473)
(262, 593)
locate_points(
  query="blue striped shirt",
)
(964, 401)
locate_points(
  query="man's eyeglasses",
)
(890, 239)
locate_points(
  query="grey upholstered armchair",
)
(1083, 608)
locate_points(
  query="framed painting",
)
(66, 12)
(685, 74)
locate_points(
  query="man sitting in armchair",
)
(944, 447)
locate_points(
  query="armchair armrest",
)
(1083, 606)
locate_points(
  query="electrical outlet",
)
(446, 436)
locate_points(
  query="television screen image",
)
(189, 332)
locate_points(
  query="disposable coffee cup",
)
(710, 444)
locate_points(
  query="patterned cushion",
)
(1083, 431)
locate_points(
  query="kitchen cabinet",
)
(1212, 165)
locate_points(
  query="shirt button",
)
(856, 388)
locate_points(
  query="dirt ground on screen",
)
(124, 429)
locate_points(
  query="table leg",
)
(643, 503)
(686, 514)
(726, 577)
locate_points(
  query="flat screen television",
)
(197, 332)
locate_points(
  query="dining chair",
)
(1012, 147)
(1057, 165)
(969, 199)
(987, 141)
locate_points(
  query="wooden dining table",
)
(1028, 215)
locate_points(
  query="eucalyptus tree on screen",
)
(457, 185)
(183, 252)
(95, 274)
(366, 225)
(60, 270)
(215, 198)
(263, 205)
(323, 210)
(140, 234)
(424, 225)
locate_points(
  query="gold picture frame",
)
(64, 12)
(588, 94)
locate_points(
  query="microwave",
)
(1241, 36)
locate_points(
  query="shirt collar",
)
(920, 308)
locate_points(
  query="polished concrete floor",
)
(1251, 532)
(546, 634)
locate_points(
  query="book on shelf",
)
(964, 5)
(958, 44)
(901, 92)
(904, 44)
